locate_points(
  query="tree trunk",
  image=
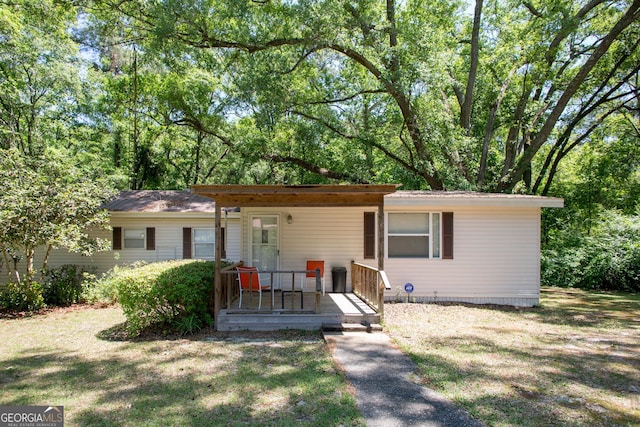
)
(466, 107)
(45, 263)
(29, 254)
(5, 257)
(489, 131)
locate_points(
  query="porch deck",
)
(335, 309)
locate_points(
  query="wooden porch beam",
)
(295, 195)
(293, 200)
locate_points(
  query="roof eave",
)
(478, 200)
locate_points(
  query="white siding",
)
(334, 235)
(168, 235)
(496, 252)
(234, 239)
(496, 259)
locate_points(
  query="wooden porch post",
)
(217, 276)
(380, 254)
(381, 235)
(227, 289)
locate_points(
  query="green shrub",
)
(165, 293)
(104, 290)
(607, 259)
(21, 297)
(63, 286)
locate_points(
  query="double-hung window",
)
(413, 235)
(134, 238)
(204, 243)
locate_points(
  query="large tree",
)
(428, 93)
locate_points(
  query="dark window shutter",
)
(369, 235)
(223, 242)
(447, 235)
(117, 239)
(151, 239)
(186, 243)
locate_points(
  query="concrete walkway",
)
(386, 393)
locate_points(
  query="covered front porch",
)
(300, 308)
(282, 226)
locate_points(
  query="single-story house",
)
(450, 246)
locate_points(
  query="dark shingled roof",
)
(160, 201)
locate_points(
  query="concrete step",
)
(352, 327)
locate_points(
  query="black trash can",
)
(339, 277)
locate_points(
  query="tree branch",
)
(197, 125)
(489, 129)
(566, 29)
(322, 122)
(404, 104)
(314, 168)
(465, 113)
(514, 176)
(564, 150)
(346, 98)
(532, 9)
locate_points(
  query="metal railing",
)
(368, 284)
(230, 291)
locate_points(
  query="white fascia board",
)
(483, 200)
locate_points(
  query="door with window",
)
(265, 246)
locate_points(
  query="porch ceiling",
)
(296, 195)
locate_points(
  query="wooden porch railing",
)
(230, 290)
(369, 284)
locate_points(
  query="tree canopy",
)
(529, 96)
(485, 95)
(430, 94)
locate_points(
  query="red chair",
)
(313, 265)
(249, 280)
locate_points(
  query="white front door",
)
(265, 246)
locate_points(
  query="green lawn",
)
(73, 357)
(574, 361)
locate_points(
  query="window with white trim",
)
(413, 235)
(204, 243)
(134, 238)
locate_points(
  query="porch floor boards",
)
(335, 309)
